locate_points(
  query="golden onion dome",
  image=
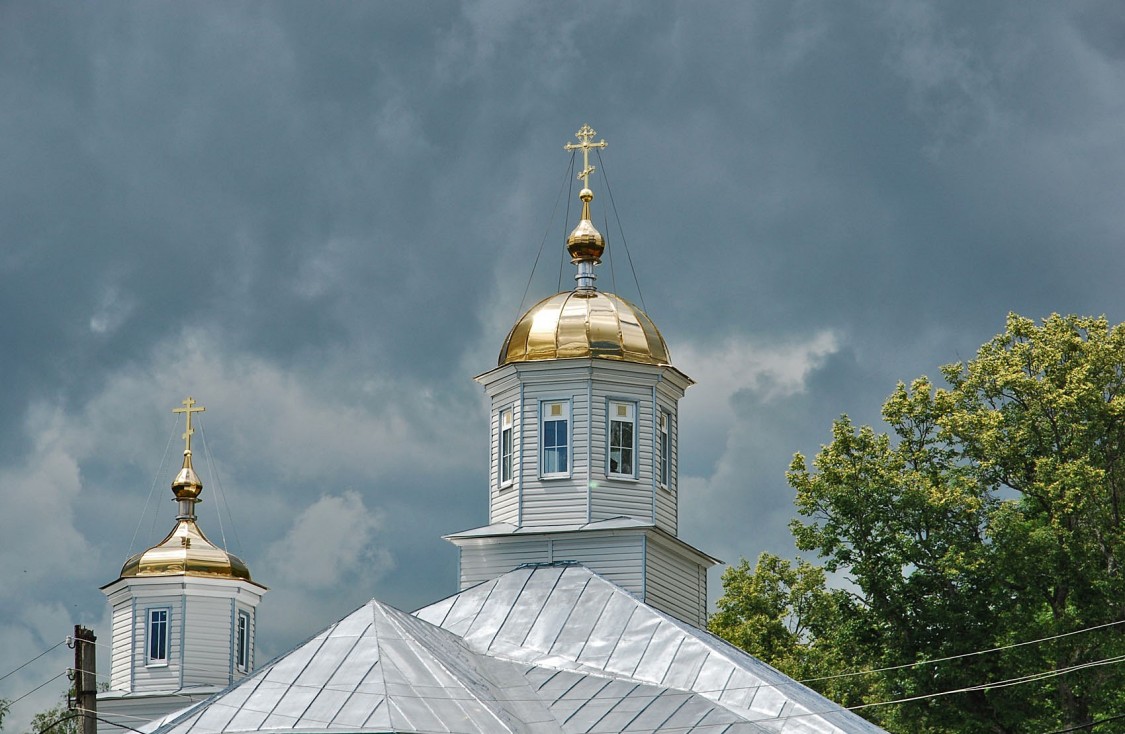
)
(585, 243)
(585, 323)
(186, 552)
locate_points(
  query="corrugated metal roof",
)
(566, 617)
(543, 650)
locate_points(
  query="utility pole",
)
(85, 679)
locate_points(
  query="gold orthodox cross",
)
(586, 134)
(188, 409)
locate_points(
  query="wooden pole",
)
(85, 678)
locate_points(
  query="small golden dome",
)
(579, 323)
(186, 552)
(585, 243)
(187, 485)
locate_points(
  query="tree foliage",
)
(989, 514)
(59, 719)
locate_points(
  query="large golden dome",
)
(186, 552)
(585, 323)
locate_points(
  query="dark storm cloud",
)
(320, 218)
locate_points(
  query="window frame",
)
(612, 416)
(242, 641)
(164, 640)
(544, 418)
(664, 448)
(506, 450)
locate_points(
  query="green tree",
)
(59, 719)
(990, 514)
(786, 615)
(5, 706)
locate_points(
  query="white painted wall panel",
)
(620, 558)
(485, 560)
(673, 584)
(121, 641)
(157, 677)
(207, 641)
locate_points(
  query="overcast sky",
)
(319, 219)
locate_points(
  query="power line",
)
(963, 655)
(1030, 678)
(1088, 725)
(36, 688)
(70, 715)
(29, 662)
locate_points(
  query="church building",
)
(580, 609)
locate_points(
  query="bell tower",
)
(583, 427)
(183, 614)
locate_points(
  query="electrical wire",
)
(1031, 678)
(963, 655)
(36, 688)
(546, 233)
(566, 219)
(1088, 725)
(621, 230)
(70, 715)
(151, 489)
(119, 725)
(29, 662)
(213, 471)
(214, 484)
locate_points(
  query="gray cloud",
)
(319, 219)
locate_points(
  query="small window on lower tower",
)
(505, 447)
(157, 648)
(242, 642)
(622, 440)
(554, 425)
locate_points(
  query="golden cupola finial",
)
(585, 244)
(187, 486)
(186, 550)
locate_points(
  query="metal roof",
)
(566, 617)
(540, 650)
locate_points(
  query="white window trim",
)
(664, 450)
(510, 413)
(543, 418)
(610, 418)
(242, 644)
(151, 662)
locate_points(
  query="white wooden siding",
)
(200, 631)
(618, 557)
(157, 677)
(487, 559)
(130, 712)
(560, 500)
(503, 504)
(586, 494)
(208, 634)
(121, 641)
(675, 584)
